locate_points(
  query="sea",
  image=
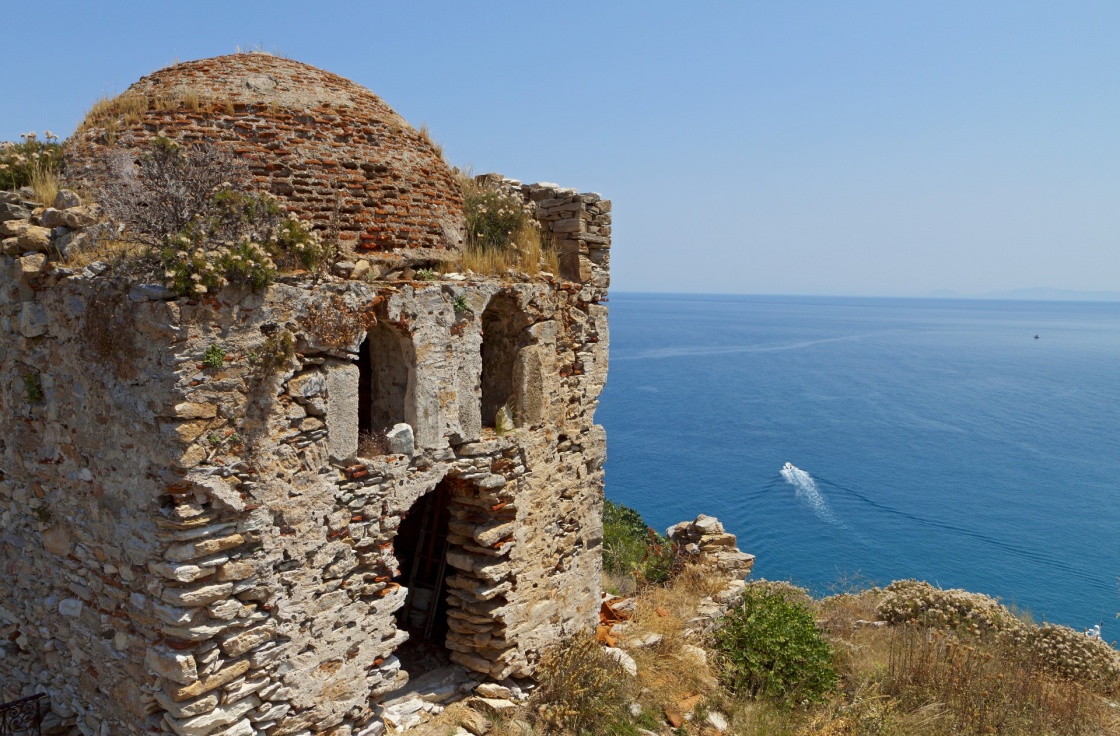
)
(971, 443)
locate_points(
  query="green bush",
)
(214, 357)
(631, 547)
(19, 162)
(771, 647)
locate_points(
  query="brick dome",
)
(328, 148)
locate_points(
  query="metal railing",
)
(23, 716)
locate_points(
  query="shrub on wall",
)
(188, 206)
(502, 233)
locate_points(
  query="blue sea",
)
(930, 439)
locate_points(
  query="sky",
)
(855, 148)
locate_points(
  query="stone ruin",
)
(202, 547)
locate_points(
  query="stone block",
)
(181, 573)
(65, 199)
(176, 666)
(56, 540)
(196, 597)
(71, 607)
(221, 716)
(187, 709)
(240, 643)
(342, 411)
(192, 410)
(13, 211)
(400, 440)
(227, 674)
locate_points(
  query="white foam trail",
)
(806, 489)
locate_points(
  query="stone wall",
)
(193, 540)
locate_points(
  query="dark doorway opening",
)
(421, 550)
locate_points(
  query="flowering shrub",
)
(188, 207)
(21, 162)
(1075, 656)
(957, 610)
(244, 240)
(502, 233)
(1060, 649)
(494, 218)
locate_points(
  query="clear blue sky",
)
(878, 148)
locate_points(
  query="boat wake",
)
(806, 489)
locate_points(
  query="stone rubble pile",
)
(59, 230)
(705, 540)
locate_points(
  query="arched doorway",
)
(421, 547)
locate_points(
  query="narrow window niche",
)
(386, 380)
(504, 334)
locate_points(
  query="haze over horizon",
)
(871, 148)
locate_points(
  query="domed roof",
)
(329, 149)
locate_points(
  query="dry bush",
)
(859, 651)
(109, 250)
(580, 689)
(44, 185)
(839, 614)
(1060, 649)
(667, 671)
(758, 718)
(372, 444)
(167, 189)
(336, 324)
(110, 114)
(986, 687)
(426, 134)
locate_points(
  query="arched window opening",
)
(386, 369)
(504, 334)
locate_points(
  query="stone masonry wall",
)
(196, 546)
